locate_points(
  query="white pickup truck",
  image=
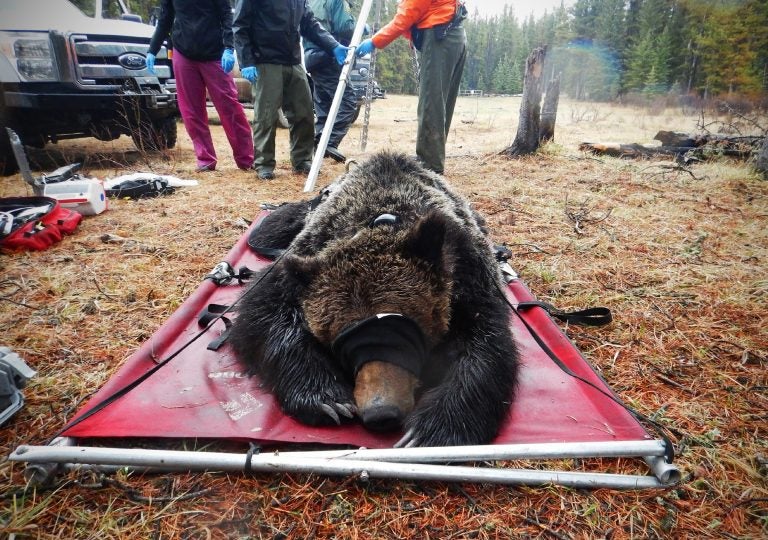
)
(69, 72)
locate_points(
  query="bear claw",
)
(327, 409)
(408, 440)
(345, 409)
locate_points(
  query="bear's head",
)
(380, 299)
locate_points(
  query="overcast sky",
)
(521, 8)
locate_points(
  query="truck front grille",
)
(101, 61)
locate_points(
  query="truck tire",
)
(8, 165)
(155, 135)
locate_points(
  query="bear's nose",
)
(384, 395)
(382, 417)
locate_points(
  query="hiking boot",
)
(303, 168)
(265, 173)
(206, 168)
(333, 153)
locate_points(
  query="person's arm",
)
(342, 21)
(225, 16)
(409, 12)
(163, 28)
(310, 28)
(241, 30)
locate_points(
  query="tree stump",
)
(761, 163)
(549, 110)
(527, 138)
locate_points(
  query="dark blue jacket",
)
(269, 31)
(199, 29)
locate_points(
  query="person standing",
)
(203, 55)
(268, 40)
(336, 17)
(435, 29)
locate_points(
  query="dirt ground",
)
(678, 255)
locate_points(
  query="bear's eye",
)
(384, 219)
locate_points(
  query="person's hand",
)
(366, 47)
(250, 73)
(340, 52)
(151, 62)
(227, 60)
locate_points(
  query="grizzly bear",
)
(386, 305)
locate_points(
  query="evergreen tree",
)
(604, 47)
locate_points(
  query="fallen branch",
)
(581, 216)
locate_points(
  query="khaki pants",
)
(287, 87)
(441, 66)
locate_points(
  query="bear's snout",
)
(384, 395)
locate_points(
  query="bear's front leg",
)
(271, 337)
(469, 405)
(299, 373)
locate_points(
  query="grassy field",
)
(680, 257)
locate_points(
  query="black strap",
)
(596, 316)
(208, 316)
(253, 450)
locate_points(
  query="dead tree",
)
(549, 110)
(761, 163)
(527, 138)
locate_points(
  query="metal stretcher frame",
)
(394, 463)
(201, 395)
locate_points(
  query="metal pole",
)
(493, 452)
(336, 103)
(271, 463)
(369, 83)
(667, 473)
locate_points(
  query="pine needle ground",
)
(679, 258)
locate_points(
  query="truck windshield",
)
(110, 9)
(14, 10)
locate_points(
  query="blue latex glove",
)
(340, 52)
(366, 47)
(151, 62)
(227, 60)
(250, 73)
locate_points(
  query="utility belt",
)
(440, 30)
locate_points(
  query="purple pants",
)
(193, 77)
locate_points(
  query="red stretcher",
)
(204, 394)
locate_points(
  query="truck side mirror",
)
(131, 17)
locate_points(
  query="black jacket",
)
(200, 29)
(269, 31)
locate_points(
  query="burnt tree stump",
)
(527, 138)
(761, 162)
(549, 110)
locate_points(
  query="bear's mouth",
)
(384, 354)
(387, 337)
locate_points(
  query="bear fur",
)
(429, 260)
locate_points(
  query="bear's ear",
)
(301, 269)
(428, 240)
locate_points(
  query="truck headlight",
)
(31, 54)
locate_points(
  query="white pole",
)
(336, 103)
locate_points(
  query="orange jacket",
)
(422, 13)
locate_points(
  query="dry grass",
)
(680, 259)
